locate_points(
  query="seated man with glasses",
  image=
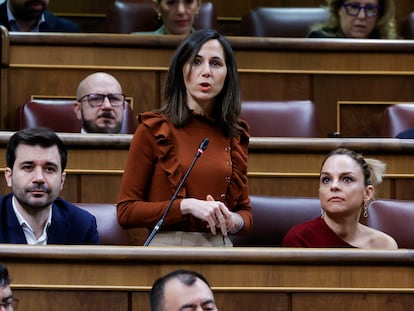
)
(100, 104)
(359, 19)
(7, 301)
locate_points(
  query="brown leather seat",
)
(395, 217)
(397, 118)
(58, 115)
(110, 231)
(126, 16)
(274, 216)
(282, 22)
(281, 118)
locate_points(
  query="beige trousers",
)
(181, 238)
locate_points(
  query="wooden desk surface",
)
(242, 278)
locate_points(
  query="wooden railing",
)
(119, 278)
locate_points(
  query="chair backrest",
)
(394, 217)
(109, 230)
(282, 22)
(281, 118)
(126, 16)
(58, 115)
(274, 216)
(397, 118)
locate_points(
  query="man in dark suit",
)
(33, 214)
(31, 16)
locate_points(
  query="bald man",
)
(100, 104)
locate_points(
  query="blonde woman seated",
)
(346, 186)
(359, 19)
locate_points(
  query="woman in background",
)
(346, 185)
(176, 16)
(361, 19)
(201, 99)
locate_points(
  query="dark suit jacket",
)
(70, 224)
(52, 23)
(406, 134)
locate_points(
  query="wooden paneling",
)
(277, 166)
(119, 278)
(325, 71)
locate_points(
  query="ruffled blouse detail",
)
(160, 127)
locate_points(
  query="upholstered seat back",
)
(395, 217)
(274, 216)
(110, 231)
(397, 118)
(126, 16)
(282, 22)
(58, 115)
(281, 118)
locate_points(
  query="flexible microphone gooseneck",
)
(200, 150)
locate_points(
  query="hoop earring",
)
(365, 213)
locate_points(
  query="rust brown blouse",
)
(158, 158)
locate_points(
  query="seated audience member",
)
(182, 290)
(407, 134)
(33, 214)
(7, 301)
(360, 19)
(176, 17)
(346, 185)
(100, 104)
(31, 16)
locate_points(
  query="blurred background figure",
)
(362, 19)
(31, 16)
(176, 16)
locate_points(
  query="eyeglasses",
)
(9, 302)
(96, 100)
(370, 10)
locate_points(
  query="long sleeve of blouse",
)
(158, 158)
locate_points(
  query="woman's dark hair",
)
(227, 105)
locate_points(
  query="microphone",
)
(200, 150)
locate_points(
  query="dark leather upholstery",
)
(407, 27)
(58, 115)
(395, 217)
(282, 22)
(110, 231)
(274, 216)
(397, 118)
(126, 16)
(272, 219)
(281, 118)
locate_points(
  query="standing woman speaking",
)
(201, 99)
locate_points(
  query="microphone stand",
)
(157, 227)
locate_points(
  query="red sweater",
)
(158, 158)
(315, 233)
